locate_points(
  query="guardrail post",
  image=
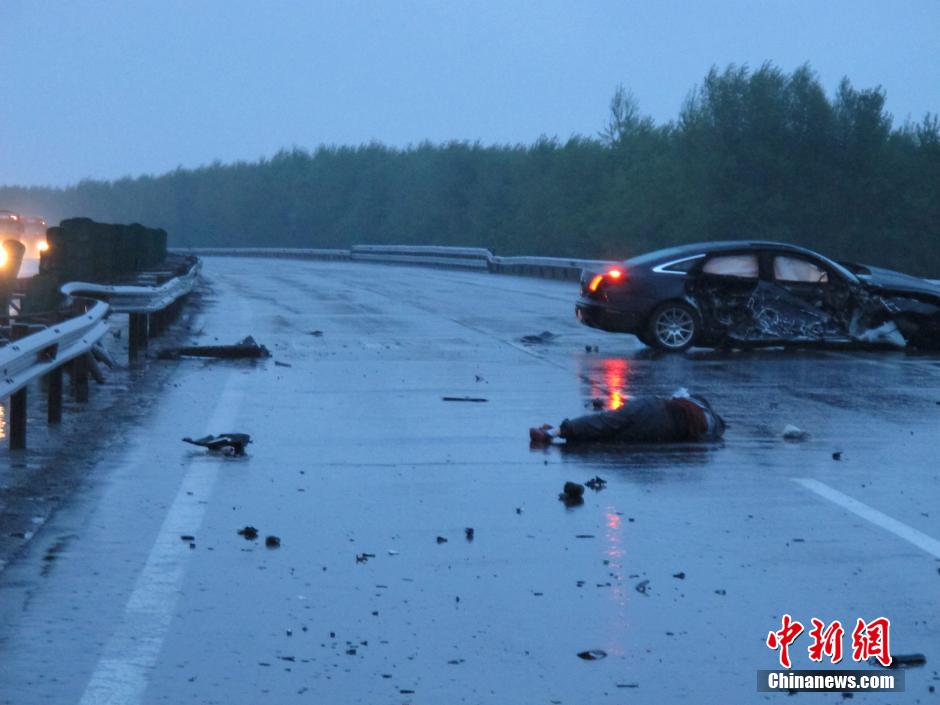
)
(136, 334)
(79, 371)
(18, 401)
(54, 388)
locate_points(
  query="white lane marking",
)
(908, 533)
(120, 677)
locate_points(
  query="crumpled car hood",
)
(888, 279)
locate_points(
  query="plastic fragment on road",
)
(794, 433)
(246, 348)
(546, 336)
(592, 655)
(225, 443)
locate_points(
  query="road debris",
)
(794, 433)
(572, 494)
(837, 455)
(225, 443)
(546, 336)
(249, 532)
(680, 575)
(363, 557)
(596, 483)
(642, 587)
(592, 655)
(472, 399)
(598, 403)
(903, 660)
(187, 537)
(278, 363)
(469, 533)
(591, 348)
(272, 541)
(246, 348)
(316, 333)
(441, 539)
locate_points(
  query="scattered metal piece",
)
(837, 455)
(272, 542)
(226, 443)
(642, 587)
(596, 483)
(721, 591)
(187, 537)
(469, 533)
(316, 333)
(592, 655)
(278, 363)
(441, 539)
(680, 575)
(473, 399)
(246, 348)
(363, 557)
(249, 532)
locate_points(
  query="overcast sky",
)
(107, 88)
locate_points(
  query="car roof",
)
(698, 248)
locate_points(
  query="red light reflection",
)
(615, 379)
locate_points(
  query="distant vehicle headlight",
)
(42, 246)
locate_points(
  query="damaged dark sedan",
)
(747, 294)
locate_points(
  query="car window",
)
(742, 266)
(797, 269)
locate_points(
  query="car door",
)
(722, 287)
(809, 299)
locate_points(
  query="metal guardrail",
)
(275, 252)
(428, 255)
(32, 356)
(135, 298)
(44, 354)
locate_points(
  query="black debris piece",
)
(721, 591)
(468, 532)
(225, 443)
(249, 532)
(837, 455)
(592, 655)
(272, 542)
(187, 537)
(680, 575)
(642, 587)
(472, 399)
(278, 363)
(546, 336)
(518, 510)
(596, 483)
(572, 494)
(246, 348)
(903, 660)
(316, 333)
(584, 536)
(441, 539)
(479, 378)
(597, 403)
(363, 557)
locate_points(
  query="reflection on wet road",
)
(677, 569)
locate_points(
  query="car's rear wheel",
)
(673, 327)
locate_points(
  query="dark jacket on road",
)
(647, 420)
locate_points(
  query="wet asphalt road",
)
(356, 453)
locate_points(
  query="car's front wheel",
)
(672, 327)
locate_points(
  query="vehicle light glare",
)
(42, 246)
(615, 273)
(595, 282)
(3, 257)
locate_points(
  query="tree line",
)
(754, 154)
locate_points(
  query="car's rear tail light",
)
(612, 276)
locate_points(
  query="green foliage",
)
(753, 154)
